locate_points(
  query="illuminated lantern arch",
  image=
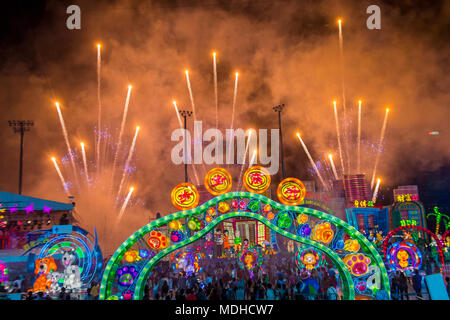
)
(136, 291)
(390, 234)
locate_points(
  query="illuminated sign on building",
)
(362, 204)
(408, 223)
(406, 197)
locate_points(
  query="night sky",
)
(286, 51)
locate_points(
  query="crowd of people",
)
(223, 279)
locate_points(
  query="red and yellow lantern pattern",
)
(218, 181)
(257, 179)
(185, 196)
(291, 191)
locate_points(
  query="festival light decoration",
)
(175, 225)
(256, 179)
(185, 196)
(250, 259)
(188, 261)
(132, 256)
(223, 207)
(3, 272)
(439, 216)
(157, 240)
(194, 224)
(309, 259)
(235, 198)
(302, 218)
(351, 245)
(176, 236)
(218, 181)
(323, 233)
(284, 220)
(291, 191)
(127, 274)
(404, 256)
(358, 264)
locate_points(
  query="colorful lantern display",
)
(404, 255)
(323, 233)
(291, 191)
(284, 220)
(223, 207)
(250, 258)
(218, 181)
(188, 261)
(185, 196)
(308, 258)
(157, 240)
(256, 179)
(302, 218)
(3, 272)
(357, 264)
(127, 274)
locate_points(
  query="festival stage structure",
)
(360, 266)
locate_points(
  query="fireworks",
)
(83, 151)
(330, 156)
(99, 120)
(66, 138)
(122, 126)
(125, 203)
(190, 93)
(96, 198)
(358, 165)
(127, 163)
(338, 136)
(375, 192)
(63, 181)
(380, 144)
(215, 89)
(234, 99)
(312, 161)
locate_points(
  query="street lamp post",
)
(21, 126)
(185, 114)
(278, 109)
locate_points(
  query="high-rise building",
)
(356, 188)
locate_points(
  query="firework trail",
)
(64, 184)
(344, 105)
(122, 126)
(330, 156)
(99, 123)
(124, 205)
(375, 192)
(215, 90)
(338, 136)
(377, 159)
(312, 162)
(253, 158)
(127, 163)
(83, 151)
(66, 138)
(190, 94)
(359, 139)
(178, 113)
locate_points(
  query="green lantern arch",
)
(351, 265)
